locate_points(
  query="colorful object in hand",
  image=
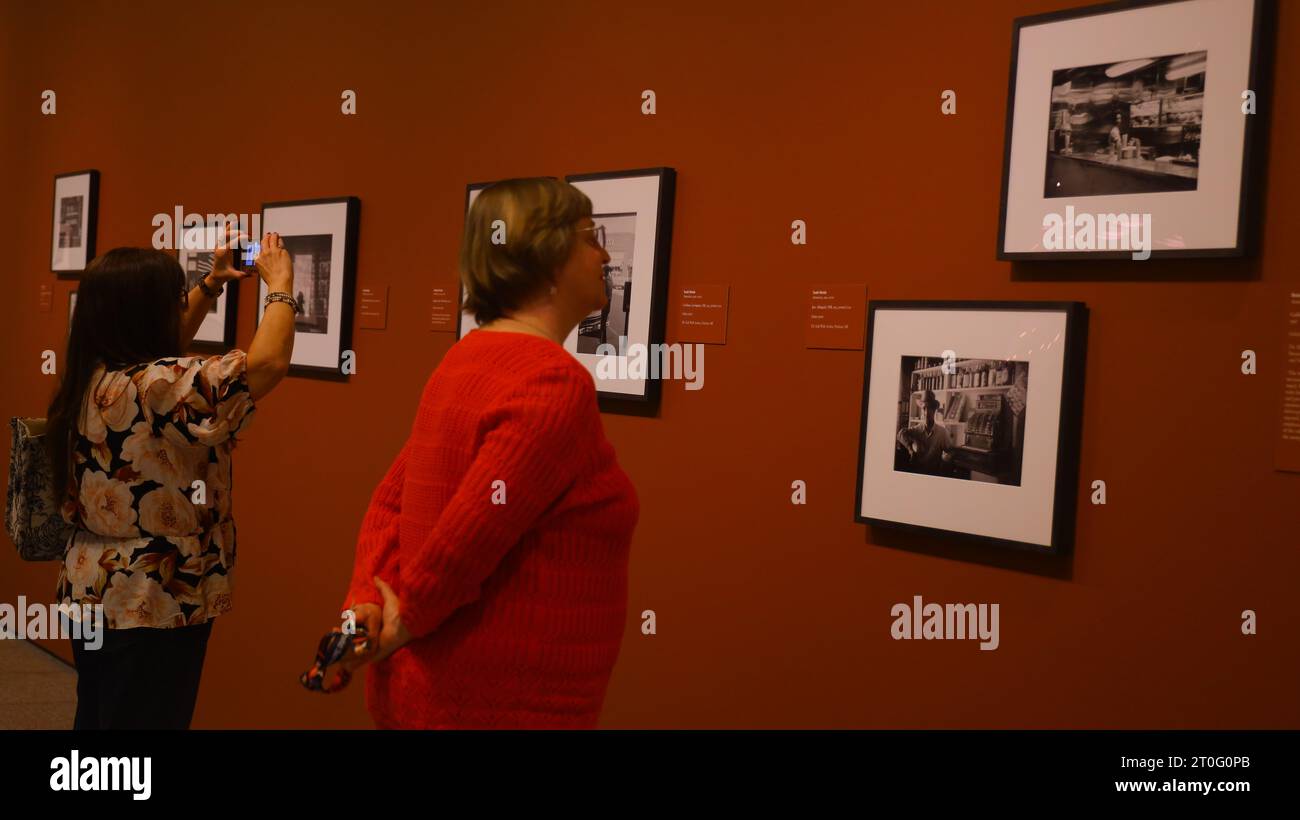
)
(334, 647)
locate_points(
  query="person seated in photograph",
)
(928, 447)
(1115, 140)
(141, 438)
(492, 562)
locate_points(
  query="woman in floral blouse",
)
(141, 437)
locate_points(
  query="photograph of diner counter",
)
(1085, 174)
(1134, 126)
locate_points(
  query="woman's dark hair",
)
(128, 312)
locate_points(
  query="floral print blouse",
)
(149, 491)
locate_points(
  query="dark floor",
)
(37, 690)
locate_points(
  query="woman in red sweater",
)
(492, 562)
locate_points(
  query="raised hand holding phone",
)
(226, 257)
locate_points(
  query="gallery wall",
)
(769, 614)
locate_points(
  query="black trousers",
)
(141, 678)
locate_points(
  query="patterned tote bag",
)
(31, 511)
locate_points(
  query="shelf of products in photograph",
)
(938, 390)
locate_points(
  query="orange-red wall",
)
(769, 614)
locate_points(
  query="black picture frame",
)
(230, 295)
(1069, 422)
(646, 404)
(1249, 203)
(91, 215)
(351, 236)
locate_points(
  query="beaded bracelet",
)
(208, 292)
(280, 296)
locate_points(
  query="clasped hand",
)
(384, 622)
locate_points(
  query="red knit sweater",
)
(517, 608)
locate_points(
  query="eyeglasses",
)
(597, 231)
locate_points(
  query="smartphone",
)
(245, 259)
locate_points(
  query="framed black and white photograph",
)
(198, 243)
(321, 238)
(971, 415)
(76, 212)
(1131, 130)
(634, 209)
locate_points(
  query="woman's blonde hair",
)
(538, 217)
